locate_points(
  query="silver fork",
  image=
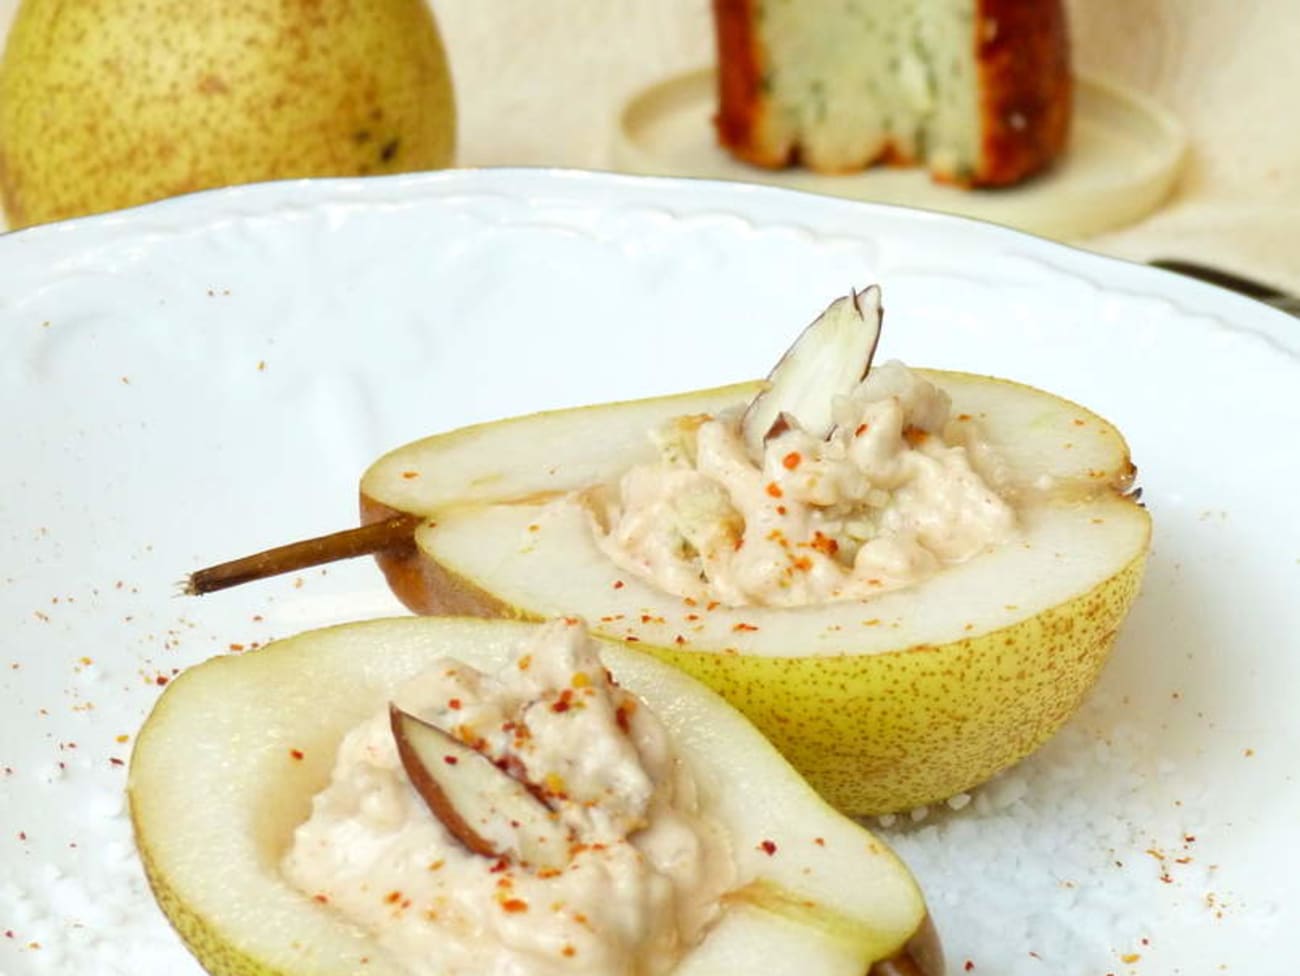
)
(1283, 301)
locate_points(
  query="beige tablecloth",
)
(540, 84)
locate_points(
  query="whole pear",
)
(110, 103)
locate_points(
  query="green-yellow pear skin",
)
(113, 103)
(885, 704)
(225, 768)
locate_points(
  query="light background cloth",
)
(541, 83)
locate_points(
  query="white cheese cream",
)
(646, 868)
(898, 490)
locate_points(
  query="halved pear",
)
(886, 704)
(226, 766)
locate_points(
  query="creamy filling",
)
(645, 870)
(898, 490)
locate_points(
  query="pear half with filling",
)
(225, 768)
(884, 704)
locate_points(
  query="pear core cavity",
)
(644, 872)
(899, 489)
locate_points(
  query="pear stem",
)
(392, 533)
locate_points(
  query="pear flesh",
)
(885, 704)
(814, 891)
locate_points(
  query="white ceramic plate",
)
(1125, 153)
(204, 377)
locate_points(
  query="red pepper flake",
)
(408, 475)
(968, 966)
(825, 544)
(792, 460)
(115, 761)
(774, 490)
(619, 584)
(632, 639)
(742, 626)
(9, 933)
(915, 436)
(565, 701)
(453, 704)
(802, 563)
(679, 640)
(22, 835)
(393, 897)
(712, 605)
(161, 680)
(819, 841)
(623, 713)
(692, 616)
(500, 865)
(861, 429)
(296, 753)
(450, 760)
(767, 847)
(321, 898)
(515, 905)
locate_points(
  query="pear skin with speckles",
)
(120, 102)
(885, 704)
